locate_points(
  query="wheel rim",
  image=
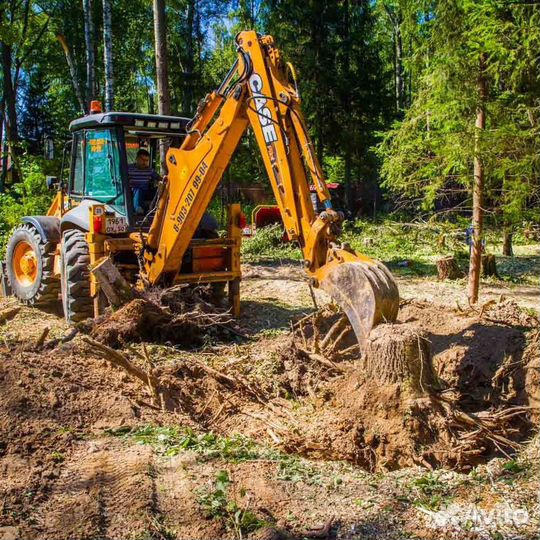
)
(25, 264)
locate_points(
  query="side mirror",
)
(52, 182)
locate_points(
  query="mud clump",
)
(178, 316)
(142, 320)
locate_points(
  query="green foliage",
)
(334, 167)
(293, 469)
(513, 467)
(267, 243)
(28, 197)
(431, 492)
(171, 441)
(427, 157)
(218, 504)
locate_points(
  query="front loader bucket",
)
(365, 290)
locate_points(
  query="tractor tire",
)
(76, 300)
(30, 267)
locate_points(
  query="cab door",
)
(97, 176)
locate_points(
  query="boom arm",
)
(257, 93)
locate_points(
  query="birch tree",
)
(72, 71)
(162, 69)
(108, 55)
(89, 34)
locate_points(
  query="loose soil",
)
(359, 448)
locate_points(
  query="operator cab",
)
(103, 156)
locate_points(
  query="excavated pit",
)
(438, 388)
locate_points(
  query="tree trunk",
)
(108, 55)
(10, 111)
(478, 189)
(247, 14)
(73, 72)
(117, 290)
(401, 354)
(346, 100)
(3, 157)
(400, 79)
(396, 20)
(508, 249)
(162, 70)
(187, 101)
(89, 34)
(448, 268)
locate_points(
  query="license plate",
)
(115, 225)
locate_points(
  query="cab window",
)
(78, 166)
(103, 181)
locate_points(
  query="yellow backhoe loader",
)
(175, 241)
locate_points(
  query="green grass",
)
(410, 249)
(171, 441)
(430, 492)
(218, 503)
(267, 244)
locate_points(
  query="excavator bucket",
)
(364, 289)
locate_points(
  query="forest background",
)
(393, 92)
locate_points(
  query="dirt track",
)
(68, 470)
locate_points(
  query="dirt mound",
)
(508, 312)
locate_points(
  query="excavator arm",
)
(258, 93)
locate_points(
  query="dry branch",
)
(8, 314)
(118, 359)
(323, 360)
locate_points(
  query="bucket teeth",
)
(366, 292)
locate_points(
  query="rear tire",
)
(76, 300)
(30, 267)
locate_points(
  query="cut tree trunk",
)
(489, 266)
(400, 354)
(448, 268)
(117, 290)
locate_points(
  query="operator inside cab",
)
(142, 180)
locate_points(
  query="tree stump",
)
(448, 268)
(400, 353)
(489, 266)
